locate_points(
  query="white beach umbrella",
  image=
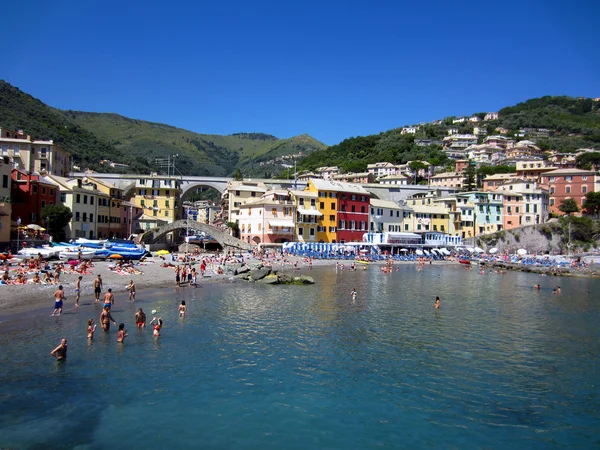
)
(521, 252)
(470, 249)
(403, 250)
(478, 250)
(419, 252)
(493, 250)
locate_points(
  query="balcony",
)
(280, 230)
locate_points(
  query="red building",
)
(567, 183)
(353, 212)
(29, 194)
(130, 216)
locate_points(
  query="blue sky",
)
(331, 69)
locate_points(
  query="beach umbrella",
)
(115, 256)
(34, 226)
(470, 249)
(478, 250)
(419, 252)
(426, 252)
(521, 252)
(493, 250)
(403, 250)
(162, 252)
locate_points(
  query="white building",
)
(491, 116)
(237, 193)
(382, 169)
(409, 130)
(535, 200)
(394, 179)
(385, 216)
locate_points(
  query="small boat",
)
(70, 254)
(33, 252)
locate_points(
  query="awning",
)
(282, 223)
(309, 212)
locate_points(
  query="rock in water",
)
(304, 279)
(270, 279)
(259, 274)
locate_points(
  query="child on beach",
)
(131, 289)
(182, 309)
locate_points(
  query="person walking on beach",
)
(59, 296)
(177, 276)
(131, 289)
(436, 305)
(98, 287)
(194, 277)
(91, 328)
(140, 319)
(122, 334)
(106, 319)
(60, 352)
(78, 290)
(109, 299)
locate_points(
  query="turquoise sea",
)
(500, 365)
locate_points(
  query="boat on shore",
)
(77, 254)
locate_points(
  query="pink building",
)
(268, 219)
(512, 205)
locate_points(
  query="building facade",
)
(565, 184)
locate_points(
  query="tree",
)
(568, 206)
(57, 218)
(235, 229)
(591, 204)
(237, 176)
(470, 183)
(415, 167)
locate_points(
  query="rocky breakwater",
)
(257, 273)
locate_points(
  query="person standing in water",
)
(122, 334)
(78, 290)
(353, 294)
(140, 319)
(109, 299)
(60, 352)
(106, 318)
(98, 287)
(131, 289)
(158, 323)
(59, 296)
(436, 305)
(182, 309)
(91, 328)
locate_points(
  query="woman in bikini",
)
(122, 334)
(182, 309)
(158, 323)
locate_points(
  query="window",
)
(35, 188)
(167, 193)
(63, 197)
(84, 218)
(155, 213)
(237, 193)
(155, 203)
(301, 202)
(332, 218)
(166, 203)
(332, 205)
(352, 225)
(321, 205)
(43, 190)
(584, 189)
(372, 211)
(332, 195)
(321, 229)
(552, 179)
(76, 216)
(78, 198)
(568, 190)
(166, 213)
(43, 203)
(568, 178)
(91, 217)
(551, 202)
(343, 208)
(342, 225)
(91, 200)
(391, 213)
(253, 194)
(552, 190)
(313, 202)
(4, 181)
(353, 197)
(85, 199)
(312, 232)
(142, 203)
(353, 208)
(363, 198)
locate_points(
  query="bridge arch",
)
(223, 238)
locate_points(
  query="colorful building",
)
(5, 201)
(525, 199)
(307, 215)
(327, 206)
(385, 216)
(565, 184)
(30, 194)
(159, 197)
(268, 219)
(109, 210)
(237, 193)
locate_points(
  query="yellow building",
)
(307, 215)
(109, 209)
(327, 206)
(159, 197)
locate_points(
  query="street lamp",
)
(47, 227)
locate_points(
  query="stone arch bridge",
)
(223, 238)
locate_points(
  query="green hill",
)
(91, 137)
(571, 123)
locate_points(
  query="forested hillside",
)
(573, 123)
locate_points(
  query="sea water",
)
(299, 367)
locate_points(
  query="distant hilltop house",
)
(501, 130)
(382, 169)
(409, 130)
(459, 141)
(479, 131)
(327, 173)
(452, 131)
(427, 142)
(474, 119)
(460, 120)
(491, 116)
